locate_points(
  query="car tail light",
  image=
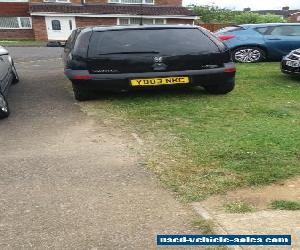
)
(81, 78)
(226, 37)
(230, 70)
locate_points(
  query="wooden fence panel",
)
(214, 26)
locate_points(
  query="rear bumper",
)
(122, 81)
(289, 70)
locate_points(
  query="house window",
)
(137, 21)
(57, 1)
(15, 23)
(132, 1)
(56, 25)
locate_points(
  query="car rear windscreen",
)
(165, 41)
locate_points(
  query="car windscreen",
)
(165, 41)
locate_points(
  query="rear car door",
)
(281, 39)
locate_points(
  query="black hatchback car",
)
(135, 57)
(290, 64)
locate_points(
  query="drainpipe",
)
(142, 10)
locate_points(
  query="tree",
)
(250, 17)
(214, 14)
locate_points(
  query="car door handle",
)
(274, 39)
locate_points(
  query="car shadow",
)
(148, 93)
(294, 77)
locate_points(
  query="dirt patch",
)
(262, 220)
(259, 197)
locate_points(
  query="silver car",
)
(8, 76)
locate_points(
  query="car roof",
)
(266, 25)
(141, 27)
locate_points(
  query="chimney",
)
(286, 8)
(247, 9)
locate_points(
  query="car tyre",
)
(80, 93)
(4, 109)
(248, 55)
(220, 88)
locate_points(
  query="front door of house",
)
(60, 28)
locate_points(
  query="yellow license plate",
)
(160, 81)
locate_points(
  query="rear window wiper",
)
(130, 52)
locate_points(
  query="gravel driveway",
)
(68, 181)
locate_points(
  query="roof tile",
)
(111, 9)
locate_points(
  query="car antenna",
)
(141, 10)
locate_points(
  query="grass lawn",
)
(285, 205)
(24, 42)
(238, 207)
(200, 144)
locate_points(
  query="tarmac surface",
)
(68, 181)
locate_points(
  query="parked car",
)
(257, 42)
(290, 64)
(136, 57)
(8, 75)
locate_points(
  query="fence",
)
(214, 26)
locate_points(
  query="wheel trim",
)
(3, 104)
(247, 55)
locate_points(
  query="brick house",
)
(15, 20)
(55, 19)
(285, 12)
(295, 17)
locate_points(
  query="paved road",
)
(68, 181)
(39, 53)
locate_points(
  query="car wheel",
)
(220, 88)
(248, 55)
(80, 94)
(4, 109)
